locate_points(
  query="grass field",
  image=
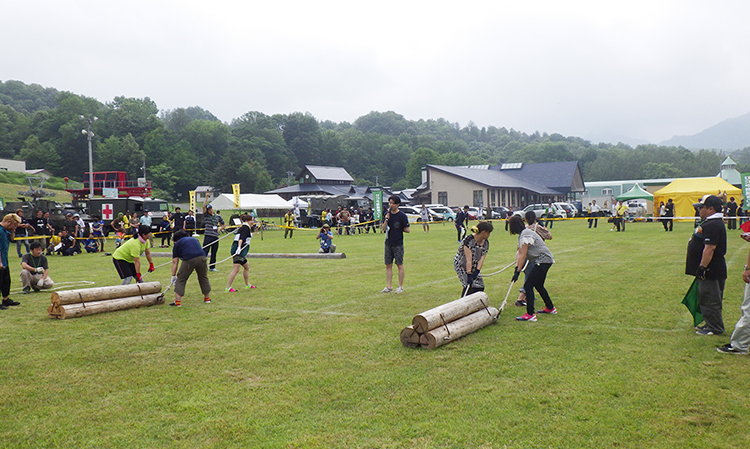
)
(9, 192)
(312, 358)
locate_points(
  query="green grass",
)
(9, 192)
(312, 357)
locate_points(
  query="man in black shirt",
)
(705, 261)
(731, 211)
(669, 212)
(395, 223)
(462, 219)
(34, 270)
(179, 220)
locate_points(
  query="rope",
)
(500, 271)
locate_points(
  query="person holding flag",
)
(705, 261)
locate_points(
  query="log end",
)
(410, 337)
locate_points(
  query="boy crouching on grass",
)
(189, 250)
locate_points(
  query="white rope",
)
(203, 247)
(500, 271)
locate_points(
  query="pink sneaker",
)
(230, 290)
(249, 286)
(526, 317)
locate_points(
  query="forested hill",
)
(187, 147)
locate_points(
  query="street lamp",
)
(90, 135)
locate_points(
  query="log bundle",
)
(90, 301)
(451, 321)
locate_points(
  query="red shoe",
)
(526, 317)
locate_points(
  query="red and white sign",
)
(107, 211)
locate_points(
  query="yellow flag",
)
(192, 200)
(236, 191)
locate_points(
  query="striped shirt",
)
(211, 223)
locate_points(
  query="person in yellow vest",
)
(289, 223)
(622, 209)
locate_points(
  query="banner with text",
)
(236, 191)
(377, 204)
(745, 190)
(192, 200)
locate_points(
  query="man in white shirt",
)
(594, 214)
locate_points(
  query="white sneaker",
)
(399, 290)
(386, 290)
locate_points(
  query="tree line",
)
(187, 147)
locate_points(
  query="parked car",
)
(411, 213)
(439, 209)
(414, 215)
(636, 209)
(570, 210)
(539, 209)
(499, 212)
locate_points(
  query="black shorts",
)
(124, 269)
(239, 260)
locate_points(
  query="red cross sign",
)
(107, 211)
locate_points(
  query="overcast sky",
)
(643, 69)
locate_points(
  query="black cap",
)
(710, 201)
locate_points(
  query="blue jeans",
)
(18, 246)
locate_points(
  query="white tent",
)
(250, 201)
(296, 202)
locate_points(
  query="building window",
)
(443, 198)
(477, 198)
(493, 201)
(607, 191)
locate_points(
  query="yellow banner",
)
(236, 191)
(192, 200)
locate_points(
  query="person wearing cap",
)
(705, 261)
(212, 224)
(326, 240)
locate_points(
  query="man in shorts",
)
(395, 223)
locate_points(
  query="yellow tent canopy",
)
(688, 191)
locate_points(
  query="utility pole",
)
(90, 135)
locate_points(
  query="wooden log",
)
(53, 310)
(458, 328)
(110, 305)
(451, 311)
(103, 293)
(410, 337)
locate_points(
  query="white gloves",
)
(40, 284)
(174, 280)
(40, 270)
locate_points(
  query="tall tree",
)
(302, 136)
